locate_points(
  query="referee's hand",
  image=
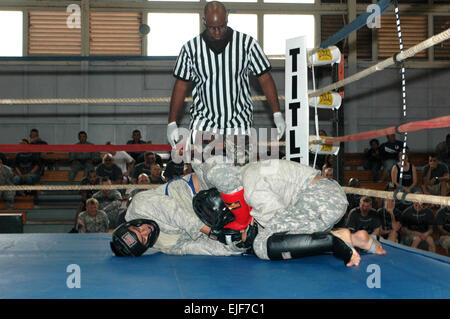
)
(172, 133)
(279, 123)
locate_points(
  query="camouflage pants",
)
(319, 207)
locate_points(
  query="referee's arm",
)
(177, 99)
(270, 91)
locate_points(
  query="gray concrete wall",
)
(371, 103)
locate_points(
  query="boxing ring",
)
(41, 266)
(82, 266)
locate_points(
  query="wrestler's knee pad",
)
(290, 246)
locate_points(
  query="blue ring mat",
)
(34, 266)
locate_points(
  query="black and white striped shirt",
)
(221, 95)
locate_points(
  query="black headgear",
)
(126, 243)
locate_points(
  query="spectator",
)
(82, 160)
(109, 201)
(125, 162)
(364, 217)
(143, 167)
(92, 220)
(158, 158)
(6, 178)
(389, 155)
(435, 177)
(155, 174)
(136, 138)
(173, 170)
(329, 163)
(90, 179)
(417, 223)
(143, 179)
(109, 169)
(409, 178)
(443, 226)
(353, 199)
(373, 158)
(27, 168)
(443, 151)
(389, 217)
(328, 173)
(35, 138)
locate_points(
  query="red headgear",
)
(240, 209)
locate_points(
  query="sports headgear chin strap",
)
(126, 243)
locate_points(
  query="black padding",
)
(290, 246)
(341, 250)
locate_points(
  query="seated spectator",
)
(82, 160)
(155, 174)
(354, 199)
(143, 179)
(136, 138)
(35, 138)
(443, 226)
(389, 155)
(329, 163)
(389, 217)
(173, 170)
(443, 151)
(417, 226)
(364, 217)
(6, 178)
(90, 179)
(373, 158)
(5, 160)
(329, 173)
(143, 167)
(158, 159)
(109, 201)
(435, 177)
(409, 177)
(125, 162)
(109, 169)
(92, 220)
(27, 168)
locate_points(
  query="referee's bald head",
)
(214, 6)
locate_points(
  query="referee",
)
(218, 62)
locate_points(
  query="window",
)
(169, 31)
(50, 33)
(280, 27)
(246, 23)
(115, 33)
(11, 33)
(414, 30)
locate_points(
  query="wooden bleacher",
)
(354, 167)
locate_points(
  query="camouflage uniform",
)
(179, 225)
(281, 196)
(97, 224)
(6, 176)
